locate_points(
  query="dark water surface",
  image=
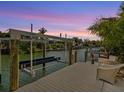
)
(51, 67)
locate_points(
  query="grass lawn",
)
(27, 56)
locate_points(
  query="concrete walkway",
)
(75, 78)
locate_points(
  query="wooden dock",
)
(79, 77)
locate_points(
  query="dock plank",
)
(75, 78)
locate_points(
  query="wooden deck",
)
(75, 78)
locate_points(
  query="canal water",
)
(26, 78)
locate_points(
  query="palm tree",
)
(77, 41)
(42, 30)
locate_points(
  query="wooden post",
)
(14, 66)
(44, 53)
(0, 60)
(86, 54)
(70, 53)
(75, 56)
(92, 58)
(31, 51)
(65, 51)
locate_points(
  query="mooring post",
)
(86, 54)
(44, 53)
(65, 46)
(31, 53)
(14, 66)
(0, 60)
(92, 58)
(75, 56)
(70, 52)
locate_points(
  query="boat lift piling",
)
(15, 37)
(0, 59)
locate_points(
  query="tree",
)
(111, 30)
(105, 28)
(77, 41)
(2, 34)
(42, 31)
(121, 12)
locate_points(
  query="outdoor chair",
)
(103, 55)
(109, 70)
(111, 61)
(109, 73)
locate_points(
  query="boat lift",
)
(18, 35)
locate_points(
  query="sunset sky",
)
(72, 18)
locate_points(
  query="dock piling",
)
(44, 54)
(14, 66)
(0, 60)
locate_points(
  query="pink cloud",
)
(75, 19)
(52, 17)
(84, 34)
(80, 33)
